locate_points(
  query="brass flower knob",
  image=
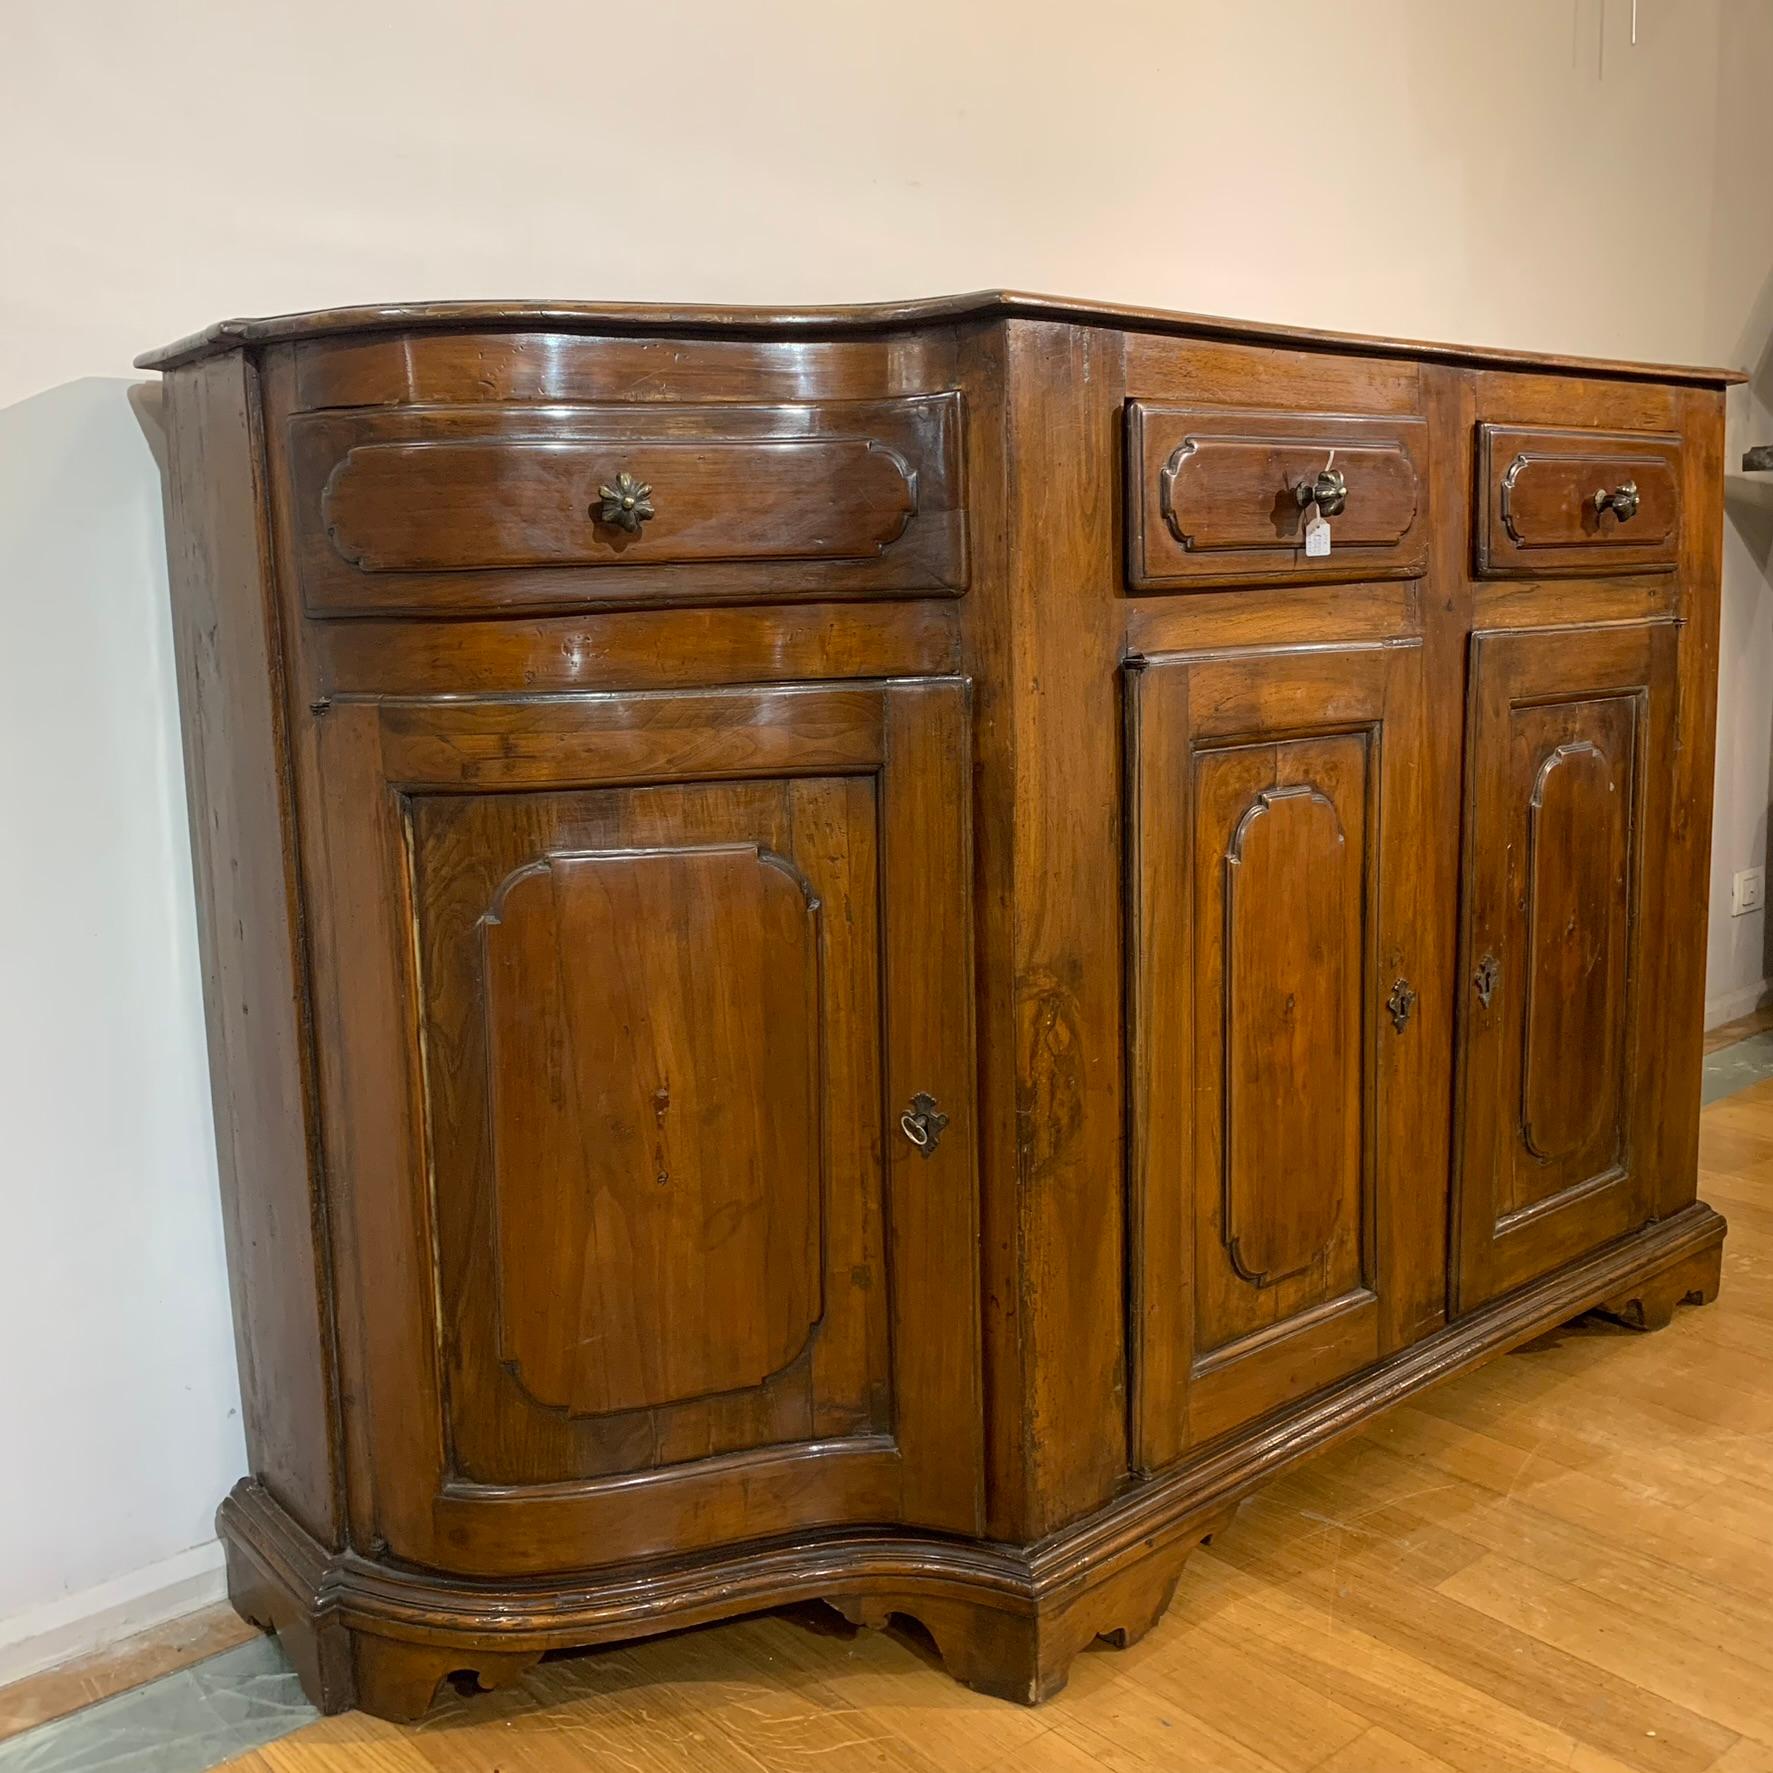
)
(628, 504)
(1328, 490)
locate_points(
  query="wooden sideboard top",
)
(643, 318)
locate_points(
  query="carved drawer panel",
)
(1590, 502)
(509, 507)
(1214, 496)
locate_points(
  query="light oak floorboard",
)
(1564, 1561)
(162, 1650)
(1727, 1034)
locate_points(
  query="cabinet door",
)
(1569, 751)
(1282, 1114)
(650, 1261)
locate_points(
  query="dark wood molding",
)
(642, 319)
(460, 1622)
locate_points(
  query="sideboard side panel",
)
(230, 671)
(1687, 866)
(1065, 625)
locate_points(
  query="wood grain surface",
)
(712, 1086)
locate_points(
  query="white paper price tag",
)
(1317, 535)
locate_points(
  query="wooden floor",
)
(133, 1663)
(1564, 1561)
(1728, 1033)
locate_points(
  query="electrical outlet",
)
(1747, 891)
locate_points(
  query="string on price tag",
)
(1317, 526)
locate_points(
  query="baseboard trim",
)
(1719, 1010)
(95, 1618)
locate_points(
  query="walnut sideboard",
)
(887, 954)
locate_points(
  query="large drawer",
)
(1576, 502)
(1212, 496)
(466, 509)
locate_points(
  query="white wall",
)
(1738, 325)
(119, 1419)
(1486, 172)
(1514, 173)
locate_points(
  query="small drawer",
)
(458, 510)
(1588, 502)
(1212, 496)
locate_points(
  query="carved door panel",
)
(677, 965)
(1570, 747)
(1280, 1106)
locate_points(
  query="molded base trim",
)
(1008, 1619)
